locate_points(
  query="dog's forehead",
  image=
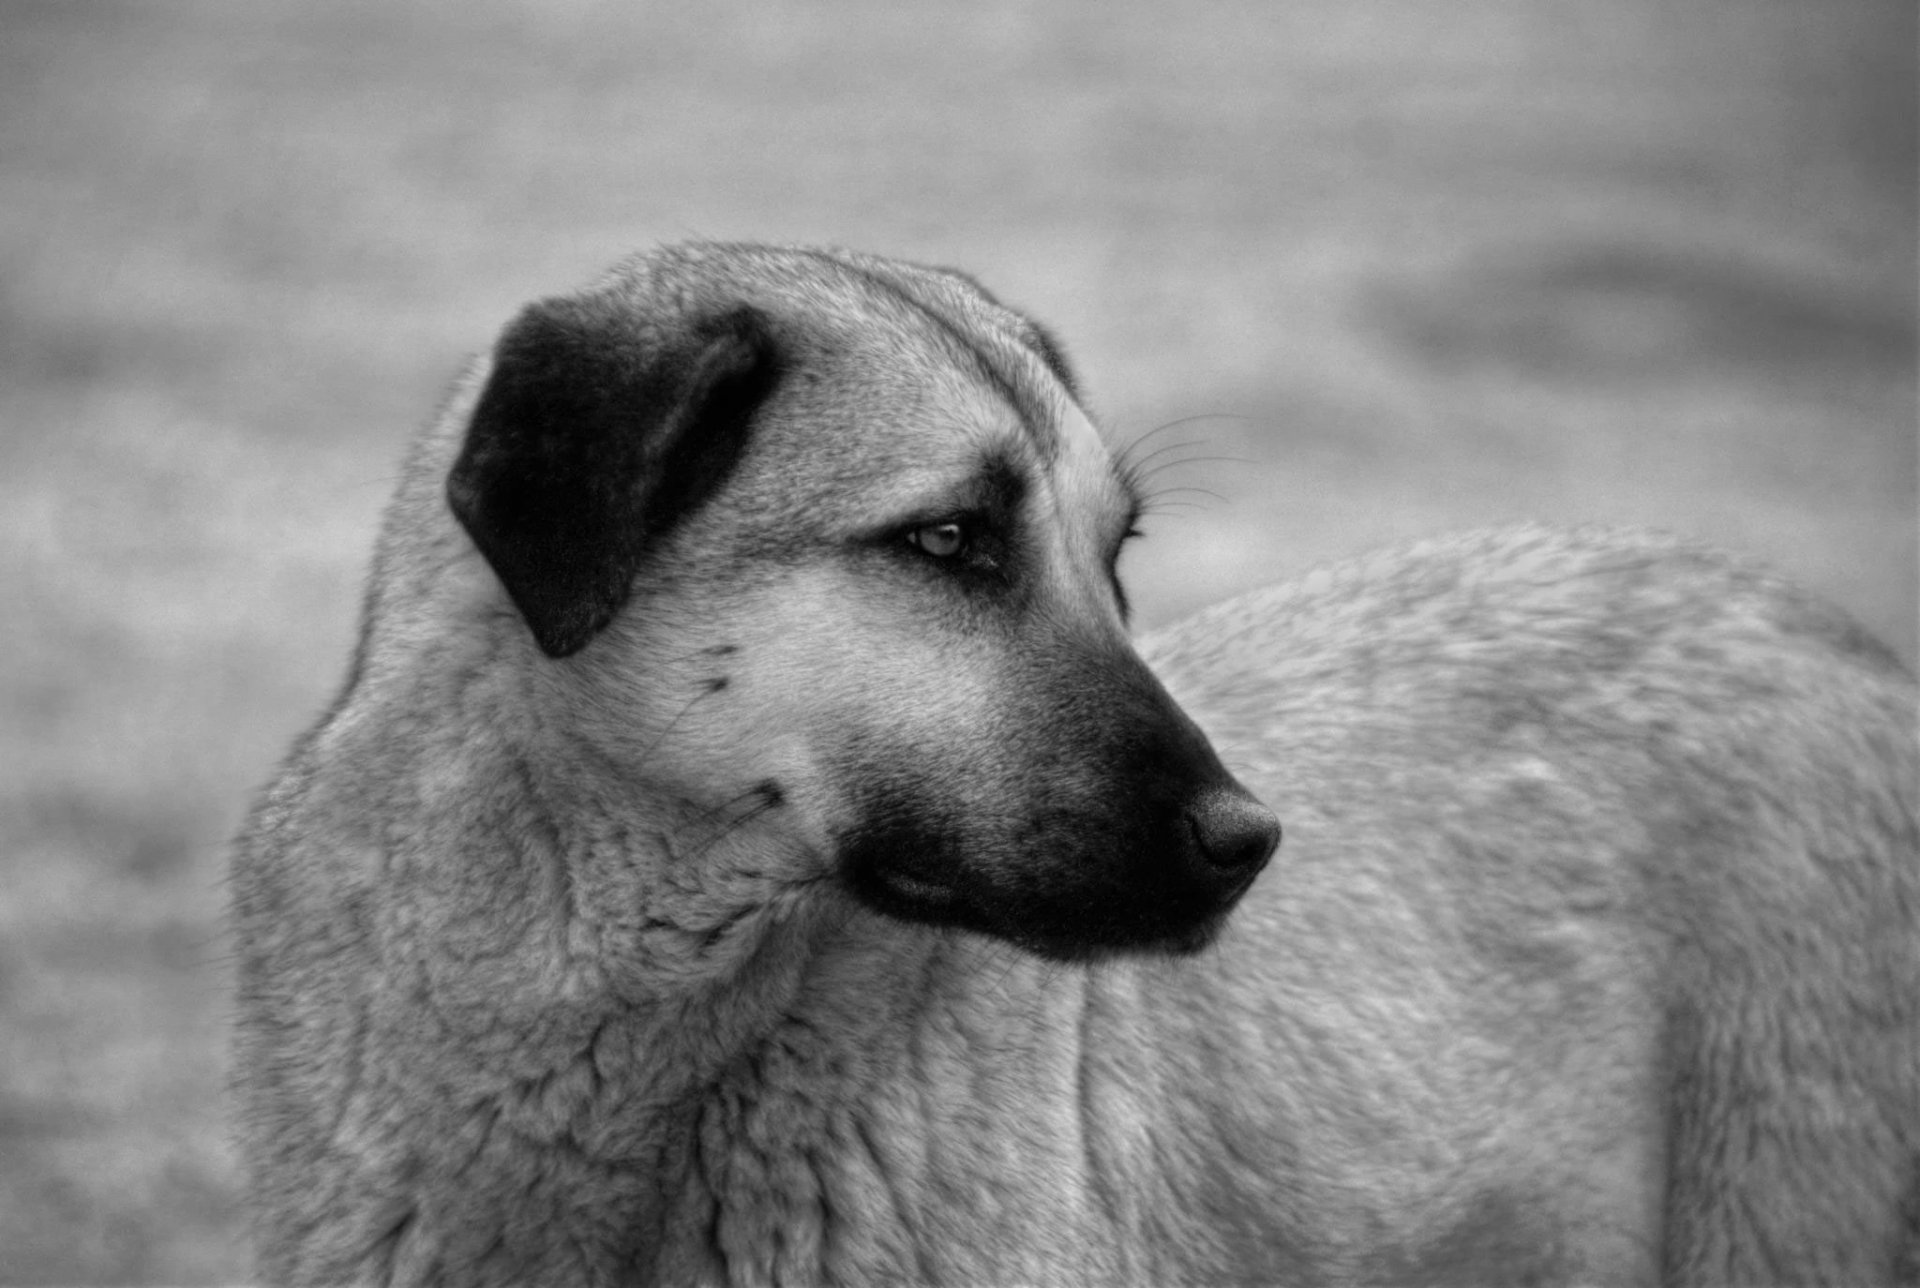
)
(933, 411)
(904, 374)
(966, 326)
(885, 418)
(917, 316)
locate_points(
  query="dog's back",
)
(1597, 917)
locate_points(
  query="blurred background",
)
(1415, 266)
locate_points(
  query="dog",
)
(748, 849)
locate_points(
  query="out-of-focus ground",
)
(1444, 263)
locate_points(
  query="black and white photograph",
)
(991, 644)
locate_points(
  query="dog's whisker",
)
(705, 651)
(1145, 477)
(1171, 509)
(764, 798)
(1137, 465)
(1182, 422)
(708, 689)
(1184, 489)
(755, 797)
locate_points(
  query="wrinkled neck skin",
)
(852, 1100)
(897, 1122)
(555, 1085)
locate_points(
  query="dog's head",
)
(821, 549)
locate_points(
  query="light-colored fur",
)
(1592, 953)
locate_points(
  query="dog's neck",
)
(904, 1096)
(827, 1083)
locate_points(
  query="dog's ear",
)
(593, 436)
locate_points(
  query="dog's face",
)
(824, 549)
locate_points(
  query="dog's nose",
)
(1235, 833)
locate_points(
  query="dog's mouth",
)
(906, 890)
(1079, 896)
(1095, 928)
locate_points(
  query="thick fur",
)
(705, 878)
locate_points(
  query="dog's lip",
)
(915, 890)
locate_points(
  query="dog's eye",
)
(941, 540)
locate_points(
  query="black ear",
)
(594, 434)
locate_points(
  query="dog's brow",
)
(1017, 393)
(997, 484)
